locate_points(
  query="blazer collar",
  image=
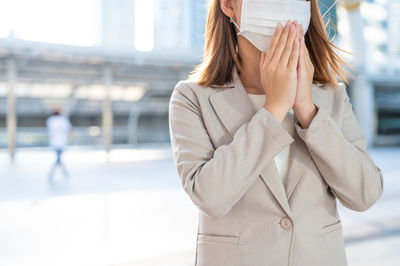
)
(234, 108)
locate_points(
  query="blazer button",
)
(285, 223)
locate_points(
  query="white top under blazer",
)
(282, 158)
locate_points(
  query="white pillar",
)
(362, 90)
(11, 113)
(362, 96)
(107, 115)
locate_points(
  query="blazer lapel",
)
(234, 108)
(299, 157)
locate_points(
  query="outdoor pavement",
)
(130, 209)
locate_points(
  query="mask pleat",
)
(269, 22)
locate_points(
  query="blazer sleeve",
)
(215, 179)
(339, 151)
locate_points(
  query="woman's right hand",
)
(278, 69)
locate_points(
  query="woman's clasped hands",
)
(287, 74)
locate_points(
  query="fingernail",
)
(279, 25)
(291, 28)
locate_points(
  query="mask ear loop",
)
(234, 23)
(231, 20)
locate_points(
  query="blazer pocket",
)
(331, 227)
(227, 239)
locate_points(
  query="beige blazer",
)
(223, 151)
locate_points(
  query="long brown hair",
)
(220, 57)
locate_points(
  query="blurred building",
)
(112, 93)
(197, 20)
(179, 24)
(394, 27)
(116, 92)
(382, 41)
(118, 24)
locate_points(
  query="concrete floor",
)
(131, 210)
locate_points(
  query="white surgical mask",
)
(259, 19)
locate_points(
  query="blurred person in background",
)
(58, 127)
(265, 140)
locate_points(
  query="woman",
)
(256, 93)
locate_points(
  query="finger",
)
(301, 53)
(304, 46)
(301, 29)
(304, 49)
(294, 57)
(306, 55)
(296, 26)
(281, 44)
(288, 46)
(299, 35)
(274, 41)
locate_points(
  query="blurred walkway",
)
(132, 211)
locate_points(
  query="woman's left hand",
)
(303, 106)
